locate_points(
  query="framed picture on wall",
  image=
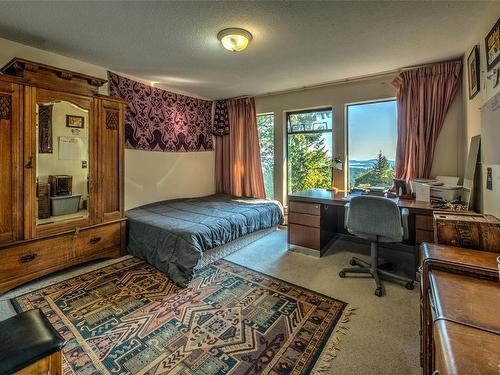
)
(75, 121)
(492, 43)
(473, 72)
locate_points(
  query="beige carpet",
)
(383, 337)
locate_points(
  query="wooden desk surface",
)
(340, 199)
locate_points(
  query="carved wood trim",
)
(5, 107)
(112, 119)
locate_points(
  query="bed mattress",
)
(173, 235)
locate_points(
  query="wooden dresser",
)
(460, 304)
(54, 122)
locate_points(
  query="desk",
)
(316, 218)
(460, 300)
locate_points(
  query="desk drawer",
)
(304, 219)
(305, 236)
(424, 222)
(305, 208)
(424, 236)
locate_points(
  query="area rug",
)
(130, 318)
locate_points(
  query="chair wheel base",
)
(409, 285)
(342, 274)
(378, 292)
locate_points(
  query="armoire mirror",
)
(62, 161)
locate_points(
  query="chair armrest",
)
(346, 211)
(404, 222)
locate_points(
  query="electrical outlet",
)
(489, 179)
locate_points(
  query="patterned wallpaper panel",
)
(159, 120)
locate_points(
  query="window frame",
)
(346, 129)
(307, 110)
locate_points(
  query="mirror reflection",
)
(62, 162)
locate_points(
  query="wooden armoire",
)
(55, 127)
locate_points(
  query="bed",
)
(182, 235)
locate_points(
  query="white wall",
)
(489, 200)
(447, 160)
(149, 176)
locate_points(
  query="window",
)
(372, 135)
(309, 149)
(265, 127)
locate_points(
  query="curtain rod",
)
(458, 59)
(355, 79)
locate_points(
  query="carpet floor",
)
(383, 334)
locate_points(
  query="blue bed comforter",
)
(172, 235)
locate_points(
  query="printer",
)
(439, 191)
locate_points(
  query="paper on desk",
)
(448, 180)
(423, 192)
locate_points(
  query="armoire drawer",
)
(94, 240)
(39, 257)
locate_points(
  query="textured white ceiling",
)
(295, 44)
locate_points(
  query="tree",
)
(265, 124)
(309, 164)
(381, 174)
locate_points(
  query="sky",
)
(371, 128)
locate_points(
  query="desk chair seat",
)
(376, 219)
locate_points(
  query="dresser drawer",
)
(424, 222)
(304, 219)
(45, 255)
(94, 240)
(305, 208)
(35, 256)
(304, 236)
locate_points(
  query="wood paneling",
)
(50, 77)
(10, 155)
(110, 156)
(50, 365)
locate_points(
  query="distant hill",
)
(365, 164)
(358, 167)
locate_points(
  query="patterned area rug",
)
(129, 318)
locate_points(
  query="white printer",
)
(439, 190)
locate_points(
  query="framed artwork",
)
(75, 121)
(473, 73)
(492, 44)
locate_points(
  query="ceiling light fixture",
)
(234, 39)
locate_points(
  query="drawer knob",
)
(28, 258)
(95, 240)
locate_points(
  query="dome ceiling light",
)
(234, 39)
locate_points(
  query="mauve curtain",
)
(424, 96)
(237, 166)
